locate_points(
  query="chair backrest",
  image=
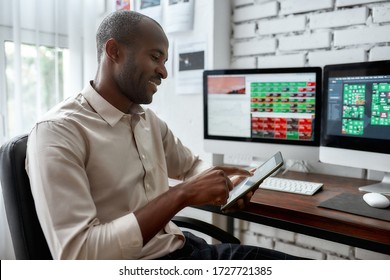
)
(26, 232)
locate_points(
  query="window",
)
(41, 84)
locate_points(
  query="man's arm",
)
(56, 161)
(209, 187)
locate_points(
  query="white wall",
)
(278, 33)
(299, 33)
(309, 33)
(292, 33)
(288, 33)
(184, 113)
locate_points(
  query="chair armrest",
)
(206, 228)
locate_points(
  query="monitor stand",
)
(382, 187)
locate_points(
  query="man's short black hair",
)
(121, 26)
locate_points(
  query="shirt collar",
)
(107, 111)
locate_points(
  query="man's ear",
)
(112, 49)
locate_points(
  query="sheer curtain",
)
(47, 53)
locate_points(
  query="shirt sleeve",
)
(56, 156)
(181, 162)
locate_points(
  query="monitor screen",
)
(279, 106)
(357, 106)
(356, 118)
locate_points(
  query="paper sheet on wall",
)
(173, 15)
(123, 5)
(190, 62)
(178, 15)
(151, 8)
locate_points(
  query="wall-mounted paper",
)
(190, 62)
(178, 15)
(123, 5)
(151, 8)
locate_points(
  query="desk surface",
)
(301, 213)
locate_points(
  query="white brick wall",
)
(344, 3)
(274, 61)
(299, 244)
(298, 33)
(319, 40)
(381, 13)
(360, 36)
(284, 25)
(255, 47)
(379, 53)
(256, 12)
(301, 6)
(299, 251)
(287, 33)
(242, 2)
(368, 255)
(243, 62)
(321, 58)
(340, 250)
(339, 18)
(246, 30)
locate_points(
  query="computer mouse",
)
(376, 200)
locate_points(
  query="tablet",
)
(253, 182)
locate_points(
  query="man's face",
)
(143, 68)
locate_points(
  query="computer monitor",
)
(356, 118)
(258, 112)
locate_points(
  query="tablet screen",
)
(250, 183)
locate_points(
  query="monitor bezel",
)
(352, 142)
(317, 121)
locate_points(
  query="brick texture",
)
(301, 6)
(381, 14)
(299, 33)
(246, 30)
(321, 58)
(256, 12)
(305, 42)
(339, 18)
(379, 53)
(360, 36)
(274, 61)
(309, 33)
(345, 3)
(255, 47)
(267, 27)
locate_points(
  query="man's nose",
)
(162, 70)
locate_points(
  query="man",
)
(99, 163)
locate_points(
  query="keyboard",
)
(291, 186)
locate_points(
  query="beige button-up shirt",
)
(91, 166)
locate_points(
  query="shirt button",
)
(143, 156)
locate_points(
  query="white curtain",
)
(67, 29)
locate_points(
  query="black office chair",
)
(206, 228)
(26, 233)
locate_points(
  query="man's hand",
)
(242, 202)
(213, 185)
(210, 187)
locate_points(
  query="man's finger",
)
(231, 170)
